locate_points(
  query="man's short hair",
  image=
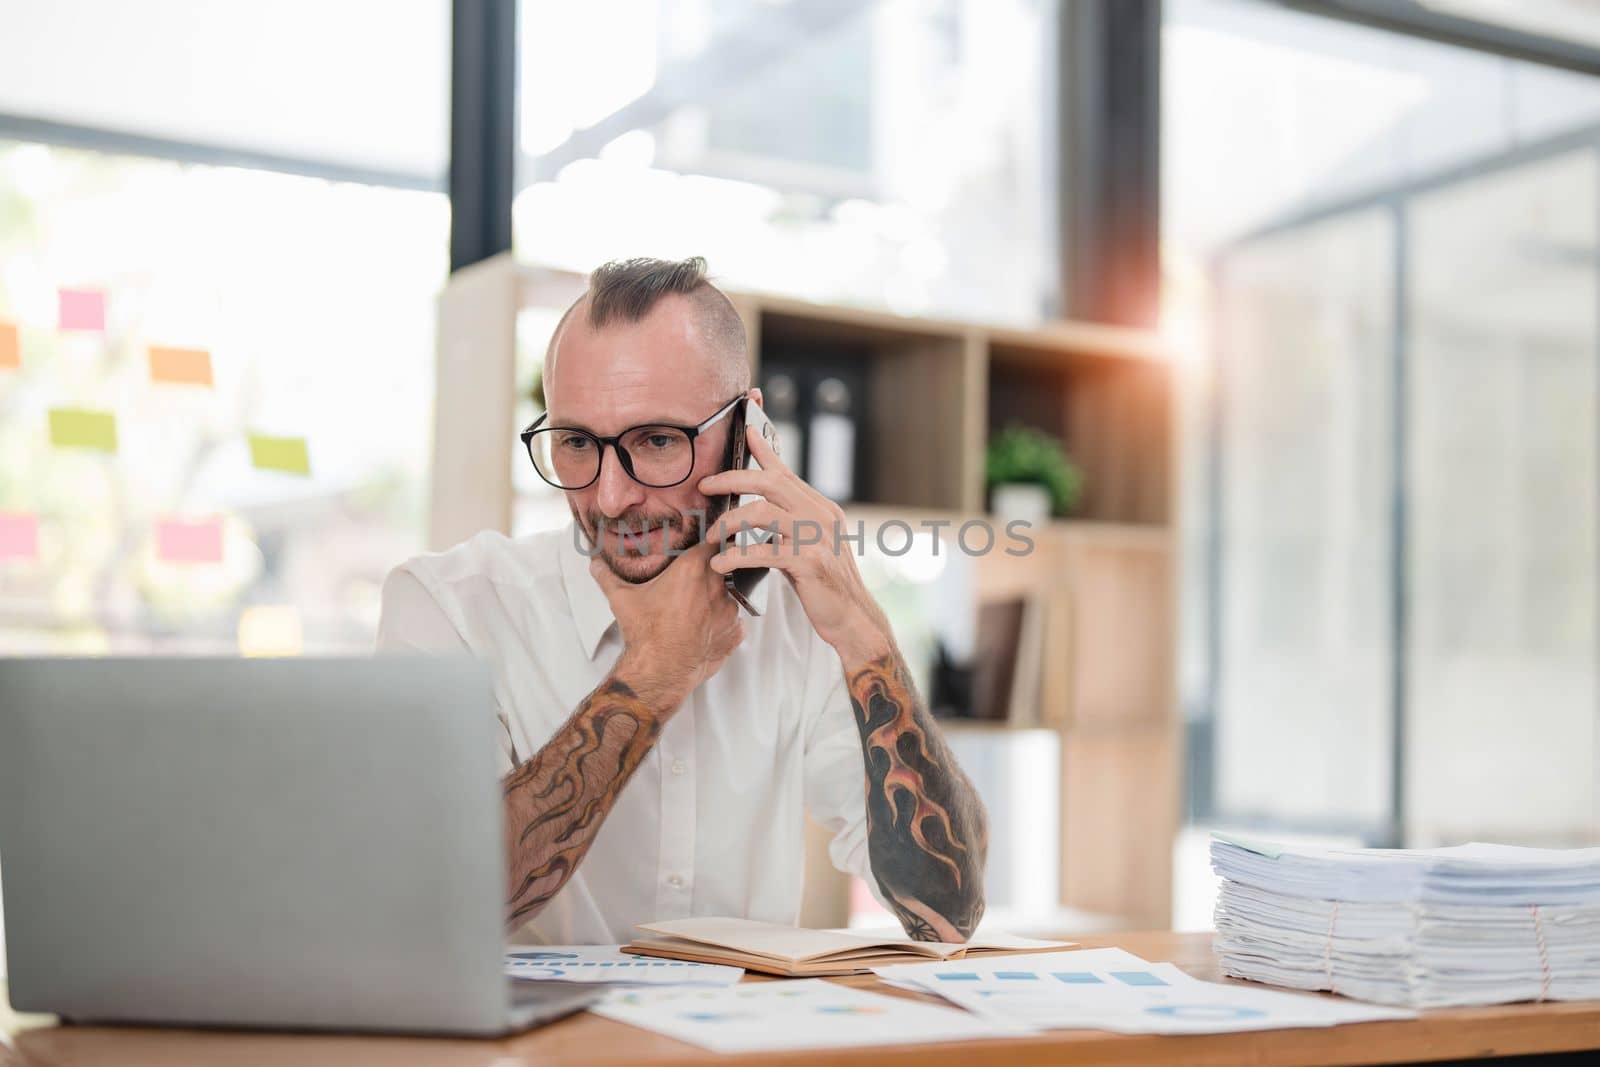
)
(627, 290)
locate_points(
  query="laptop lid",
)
(311, 843)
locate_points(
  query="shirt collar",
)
(591, 611)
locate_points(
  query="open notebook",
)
(792, 952)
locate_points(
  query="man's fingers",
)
(758, 514)
(765, 454)
(776, 486)
(775, 554)
(702, 550)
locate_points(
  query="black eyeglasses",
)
(659, 455)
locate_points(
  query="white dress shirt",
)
(711, 823)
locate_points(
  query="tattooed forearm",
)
(926, 830)
(557, 800)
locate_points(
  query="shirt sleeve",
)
(835, 770)
(411, 621)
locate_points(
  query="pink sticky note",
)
(81, 309)
(19, 535)
(184, 541)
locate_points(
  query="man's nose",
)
(615, 490)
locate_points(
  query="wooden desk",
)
(588, 1039)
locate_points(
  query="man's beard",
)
(640, 561)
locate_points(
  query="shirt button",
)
(675, 881)
(677, 767)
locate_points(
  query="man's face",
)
(626, 374)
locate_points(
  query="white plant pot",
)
(1030, 503)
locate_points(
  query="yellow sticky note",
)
(75, 428)
(181, 366)
(10, 346)
(288, 454)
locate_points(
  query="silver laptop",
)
(305, 844)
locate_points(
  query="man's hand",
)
(678, 629)
(806, 550)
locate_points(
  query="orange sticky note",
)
(181, 366)
(81, 309)
(10, 347)
(183, 541)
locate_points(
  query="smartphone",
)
(741, 583)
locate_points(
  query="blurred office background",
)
(1360, 237)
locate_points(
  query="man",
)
(661, 747)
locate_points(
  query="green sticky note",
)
(288, 454)
(75, 428)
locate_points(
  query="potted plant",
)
(1029, 476)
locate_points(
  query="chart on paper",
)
(796, 1014)
(609, 964)
(1109, 989)
(1137, 979)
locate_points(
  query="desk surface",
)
(588, 1039)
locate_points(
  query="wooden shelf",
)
(908, 383)
(1063, 341)
(1112, 415)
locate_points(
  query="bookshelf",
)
(934, 390)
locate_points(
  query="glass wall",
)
(1391, 468)
(1501, 343)
(1303, 715)
(215, 402)
(889, 153)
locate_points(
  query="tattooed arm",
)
(677, 630)
(556, 801)
(926, 830)
(927, 834)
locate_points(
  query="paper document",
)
(998, 971)
(1463, 874)
(1109, 989)
(1159, 999)
(792, 951)
(609, 964)
(803, 1014)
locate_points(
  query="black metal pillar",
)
(1110, 160)
(483, 128)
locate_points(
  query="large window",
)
(215, 402)
(1391, 590)
(889, 153)
(1501, 345)
(1305, 447)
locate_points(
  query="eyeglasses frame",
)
(692, 432)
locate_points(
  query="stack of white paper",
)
(1477, 924)
(1109, 989)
